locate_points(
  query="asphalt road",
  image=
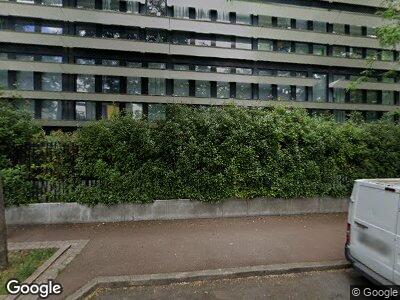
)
(313, 285)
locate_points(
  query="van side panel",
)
(373, 229)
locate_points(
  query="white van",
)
(373, 230)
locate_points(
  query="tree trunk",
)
(3, 231)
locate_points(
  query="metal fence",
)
(51, 170)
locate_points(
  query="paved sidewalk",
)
(189, 245)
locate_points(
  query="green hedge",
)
(228, 152)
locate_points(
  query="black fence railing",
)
(51, 170)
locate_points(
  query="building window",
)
(85, 83)
(181, 87)
(112, 5)
(301, 93)
(387, 98)
(134, 85)
(284, 92)
(356, 96)
(356, 30)
(302, 48)
(132, 7)
(24, 57)
(202, 89)
(51, 29)
(265, 91)
(4, 78)
(24, 81)
(51, 110)
(24, 26)
(320, 50)
(85, 110)
(26, 1)
(132, 34)
(339, 95)
(134, 109)
(86, 30)
(157, 86)
(52, 82)
(179, 67)
(338, 51)
(320, 89)
(223, 16)
(202, 40)
(244, 91)
(387, 55)
(338, 29)
(284, 23)
(181, 38)
(156, 7)
(202, 14)
(200, 68)
(156, 36)
(109, 110)
(372, 97)
(283, 73)
(371, 32)
(244, 71)
(225, 70)
(319, 26)
(110, 62)
(84, 61)
(302, 24)
(339, 115)
(284, 46)
(243, 19)
(265, 45)
(356, 53)
(371, 54)
(88, 4)
(51, 59)
(157, 112)
(111, 84)
(264, 21)
(110, 32)
(159, 66)
(181, 12)
(133, 64)
(264, 72)
(223, 42)
(223, 90)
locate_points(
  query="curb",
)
(169, 278)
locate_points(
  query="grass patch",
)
(22, 264)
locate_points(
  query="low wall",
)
(58, 213)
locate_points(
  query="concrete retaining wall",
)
(58, 213)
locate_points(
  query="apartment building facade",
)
(79, 60)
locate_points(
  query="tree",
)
(16, 130)
(389, 34)
(3, 231)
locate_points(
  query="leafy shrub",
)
(218, 153)
(16, 130)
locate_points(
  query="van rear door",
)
(374, 227)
